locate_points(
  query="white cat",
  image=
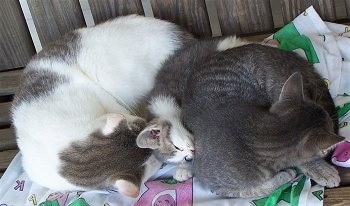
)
(81, 90)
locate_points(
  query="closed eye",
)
(178, 148)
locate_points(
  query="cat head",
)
(310, 122)
(170, 141)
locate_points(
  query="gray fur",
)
(249, 131)
(64, 49)
(36, 82)
(172, 77)
(98, 161)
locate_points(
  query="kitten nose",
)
(188, 158)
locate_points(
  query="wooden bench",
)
(27, 25)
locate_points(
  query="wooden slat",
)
(337, 196)
(53, 18)
(244, 16)
(103, 10)
(190, 14)
(344, 174)
(9, 82)
(7, 139)
(16, 46)
(5, 113)
(347, 5)
(292, 8)
(6, 157)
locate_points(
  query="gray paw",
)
(322, 173)
(327, 177)
(292, 173)
(285, 176)
(182, 174)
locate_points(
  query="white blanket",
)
(324, 44)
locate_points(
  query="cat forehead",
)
(180, 137)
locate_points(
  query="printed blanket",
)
(324, 44)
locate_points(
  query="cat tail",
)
(231, 42)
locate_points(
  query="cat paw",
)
(182, 174)
(290, 174)
(323, 174)
(285, 176)
(327, 178)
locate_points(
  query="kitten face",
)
(170, 141)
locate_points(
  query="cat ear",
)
(112, 122)
(293, 88)
(152, 135)
(328, 141)
(320, 142)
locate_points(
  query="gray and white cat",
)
(165, 133)
(74, 111)
(255, 112)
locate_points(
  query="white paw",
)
(182, 174)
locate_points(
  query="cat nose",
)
(188, 158)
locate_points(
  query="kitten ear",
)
(112, 122)
(293, 88)
(152, 136)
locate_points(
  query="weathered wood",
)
(7, 139)
(244, 16)
(103, 10)
(190, 14)
(16, 46)
(347, 6)
(344, 174)
(5, 113)
(53, 18)
(292, 8)
(6, 157)
(9, 81)
(337, 196)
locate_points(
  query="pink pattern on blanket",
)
(167, 193)
(341, 154)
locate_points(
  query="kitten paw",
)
(182, 174)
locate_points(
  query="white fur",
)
(230, 42)
(166, 108)
(118, 64)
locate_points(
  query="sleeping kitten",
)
(256, 112)
(73, 112)
(165, 133)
